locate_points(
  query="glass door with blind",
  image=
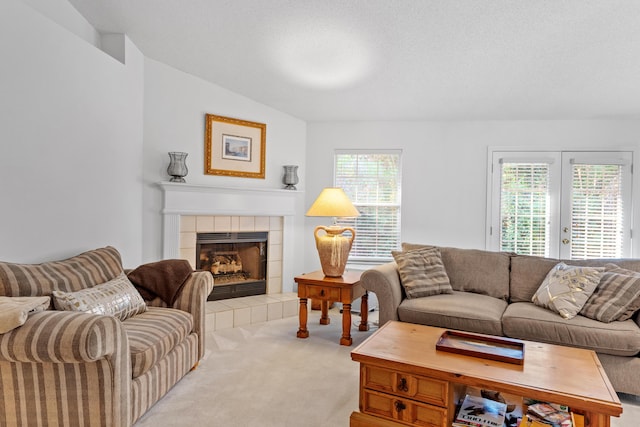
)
(596, 212)
(571, 205)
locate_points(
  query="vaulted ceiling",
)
(399, 59)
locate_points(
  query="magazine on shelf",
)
(476, 411)
(552, 415)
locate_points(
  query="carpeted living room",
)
(187, 155)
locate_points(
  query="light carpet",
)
(262, 375)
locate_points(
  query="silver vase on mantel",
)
(290, 177)
(177, 166)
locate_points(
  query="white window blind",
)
(597, 211)
(524, 208)
(371, 179)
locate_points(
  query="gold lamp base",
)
(333, 248)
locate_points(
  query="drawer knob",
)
(399, 406)
(321, 292)
(402, 386)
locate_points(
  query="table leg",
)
(346, 325)
(598, 420)
(324, 317)
(303, 332)
(364, 313)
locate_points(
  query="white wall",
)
(72, 175)
(63, 12)
(444, 167)
(174, 120)
(70, 141)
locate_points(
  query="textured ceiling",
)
(399, 59)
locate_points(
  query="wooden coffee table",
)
(342, 289)
(404, 380)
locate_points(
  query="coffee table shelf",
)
(404, 380)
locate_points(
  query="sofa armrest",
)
(192, 299)
(66, 368)
(62, 337)
(384, 281)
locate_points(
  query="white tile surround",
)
(189, 209)
(191, 225)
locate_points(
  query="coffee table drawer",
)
(424, 389)
(323, 293)
(405, 410)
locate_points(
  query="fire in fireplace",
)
(237, 261)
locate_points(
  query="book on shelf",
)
(476, 411)
(577, 419)
(530, 421)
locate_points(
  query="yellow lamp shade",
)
(334, 202)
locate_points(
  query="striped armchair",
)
(64, 368)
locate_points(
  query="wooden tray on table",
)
(507, 350)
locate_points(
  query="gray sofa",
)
(492, 294)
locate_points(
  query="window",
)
(571, 205)
(371, 179)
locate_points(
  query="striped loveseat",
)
(66, 368)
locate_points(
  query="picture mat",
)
(218, 130)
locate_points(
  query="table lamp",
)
(332, 246)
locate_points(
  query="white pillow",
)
(567, 288)
(117, 297)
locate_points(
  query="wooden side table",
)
(343, 289)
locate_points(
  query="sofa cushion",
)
(528, 272)
(153, 334)
(117, 298)
(458, 310)
(422, 273)
(617, 296)
(73, 274)
(566, 288)
(474, 270)
(525, 320)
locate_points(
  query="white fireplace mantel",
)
(198, 199)
(181, 199)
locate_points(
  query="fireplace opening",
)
(237, 261)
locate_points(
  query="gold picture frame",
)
(234, 147)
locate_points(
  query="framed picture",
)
(234, 147)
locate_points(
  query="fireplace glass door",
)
(237, 261)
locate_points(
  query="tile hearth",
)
(231, 313)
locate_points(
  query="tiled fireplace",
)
(189, 209)
(192, 226)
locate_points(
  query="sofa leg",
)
(195, 366)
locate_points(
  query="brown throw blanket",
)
(163, 279)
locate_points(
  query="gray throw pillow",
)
(422, 272)
(566, 289)
(617, 297)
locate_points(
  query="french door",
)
(569, 205)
